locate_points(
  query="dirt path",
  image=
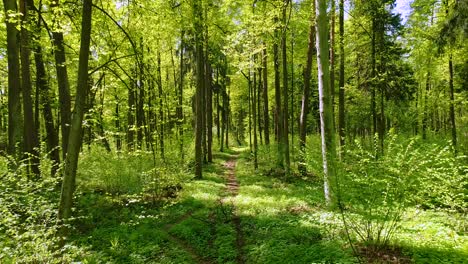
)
(232, 189)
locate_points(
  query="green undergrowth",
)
(127, 211)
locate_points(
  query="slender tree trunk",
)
(266, 118)
(452, 105)
(285, 114)
(160, 108)
(332, 54)
(30, 138)
(259, 109)
(140, 113)
(14, 84)
(373, 88)
(254, 116)
(74, 144)
(62, 80)
(41, 85)
(306, 93)
(118, 140)
(326, 113)
(426, 109)
(209, 110)
(250, 112)
(131, 118)
(200, 86)
(341, 99)
(278, 116)
(180, 97)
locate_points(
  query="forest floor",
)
(238, 215)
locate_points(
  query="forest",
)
(234, 131)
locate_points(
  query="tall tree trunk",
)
(254, 115)
(306, 93)
(75, 137)
(426, 109)
(285, 115)
(332, 55)
(326, 113)
(180, 97)
(452, 105)
(160, 108)
(140, 113)
(118, 140)
(278, 116)
(196, 5)
(341, 99)
(374, 75)
(14, 84)
(62, 80)
(30, 138)
(131, 117)
(250, 111)
(209, 109)
(266, 118)
(41, 85)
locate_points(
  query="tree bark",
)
(306, 93)
(62, 80)
(266, 118)
(75, 137)
(209, 110)
(14, 84)
(325, 102)
(254, 116)
(200, 86)
(341, 99)
(285, 114)
(42, 86)
(452, 105)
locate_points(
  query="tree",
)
(29, 135)
(306, 93)
(75, 137)
(62, 77)
(325, 100)
(14, 88)
(341, 98)
(197, 18)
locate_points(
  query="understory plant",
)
(377, 185)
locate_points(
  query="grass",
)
(282, 219)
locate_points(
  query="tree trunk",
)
(341, 106)
(285, 115)
(62, 80)
(373, 88)
(209, 110)
(332, 55)
(131, 117)
(14, 85)
(160, 108)
(325, 102)
(30, 138)
(266, 118)
(180, 97)
(41, 85)
(278, 116)
(74, 144)
(306, 92)
(452, 105)
(200, 86)
(254, 116)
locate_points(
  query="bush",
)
(376, 189)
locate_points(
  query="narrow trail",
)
(232, 189)
(182, 244)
